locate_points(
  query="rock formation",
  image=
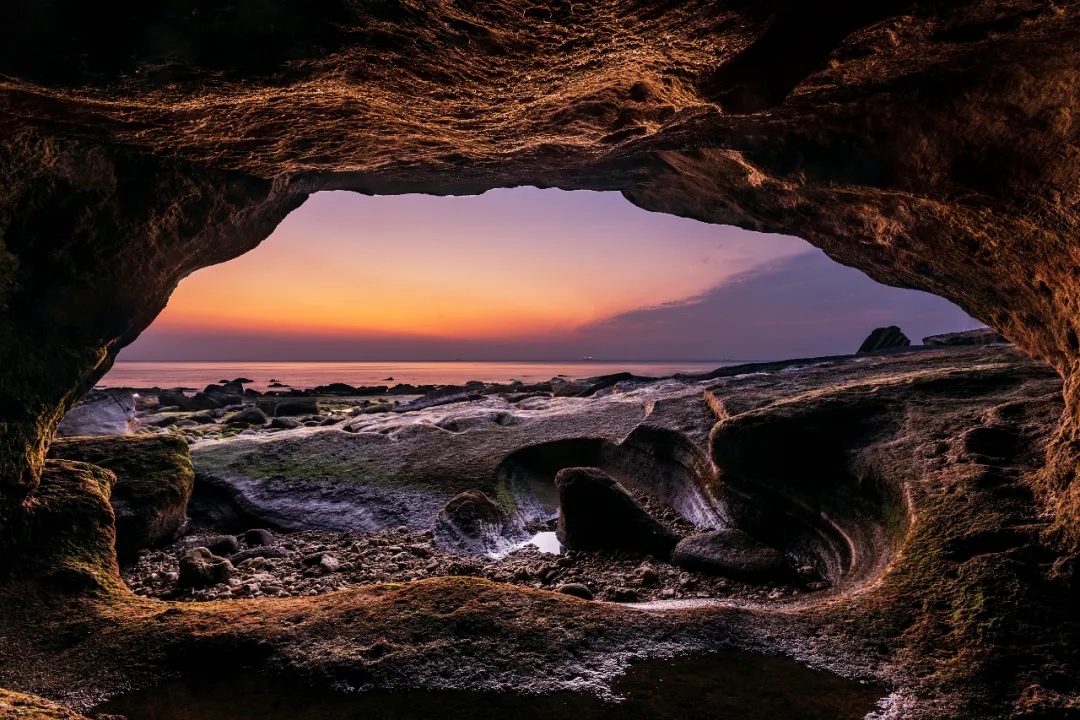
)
(980, 336)
(154, 479)
(596, 513)
(933, 145)
(929, 145)
(110, 415)
(884, 338)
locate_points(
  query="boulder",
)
(285, 423)
(223, 545)
(474, 524)
(154, 479)
(597, 513)
(292, 407)
(884, 339)
(248, 416)
(200, 568)
(205, 401)
(174, 398)
(110, 415)
(731, 553)
(980, 336)
(258, 537)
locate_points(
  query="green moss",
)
(65, 535)
(154, 480)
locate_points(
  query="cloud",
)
(801, 306)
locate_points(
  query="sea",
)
(197, 375)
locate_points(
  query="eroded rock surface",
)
(154, 479)
(909, 478)
(382, 471)
(929, 144)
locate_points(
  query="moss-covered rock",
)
(65, 538)
(154, 478)
(17, 706)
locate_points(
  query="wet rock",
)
(200, 568)
(248, 416)
(883, 339)
(285, 423)
(576, 590)
(202, 419)
(474, 524)
(154, 480)
(731, 553)
(980, 336)
(596, 513)
(110, 415)
(258, 537)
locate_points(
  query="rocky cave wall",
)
(934, 145)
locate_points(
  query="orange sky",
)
(509, 263)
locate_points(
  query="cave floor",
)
(916, 472)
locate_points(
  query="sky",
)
(524, 274)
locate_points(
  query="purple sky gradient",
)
(525, 274)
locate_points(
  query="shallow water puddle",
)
(725, 686)
(546, 542)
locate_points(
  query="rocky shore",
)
(870, 515)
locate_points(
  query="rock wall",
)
(932, 145)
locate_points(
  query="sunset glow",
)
(498, 265)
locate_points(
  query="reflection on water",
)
(726, 686)
(546, 542)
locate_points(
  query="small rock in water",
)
(576, 590)
(285, 423)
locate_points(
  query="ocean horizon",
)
(303, 375)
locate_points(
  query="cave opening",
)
(442, 324)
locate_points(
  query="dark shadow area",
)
(796, 44)
(726, 686)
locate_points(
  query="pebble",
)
(311, 562)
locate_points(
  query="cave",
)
(932, 145)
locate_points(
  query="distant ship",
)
(587, 357)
